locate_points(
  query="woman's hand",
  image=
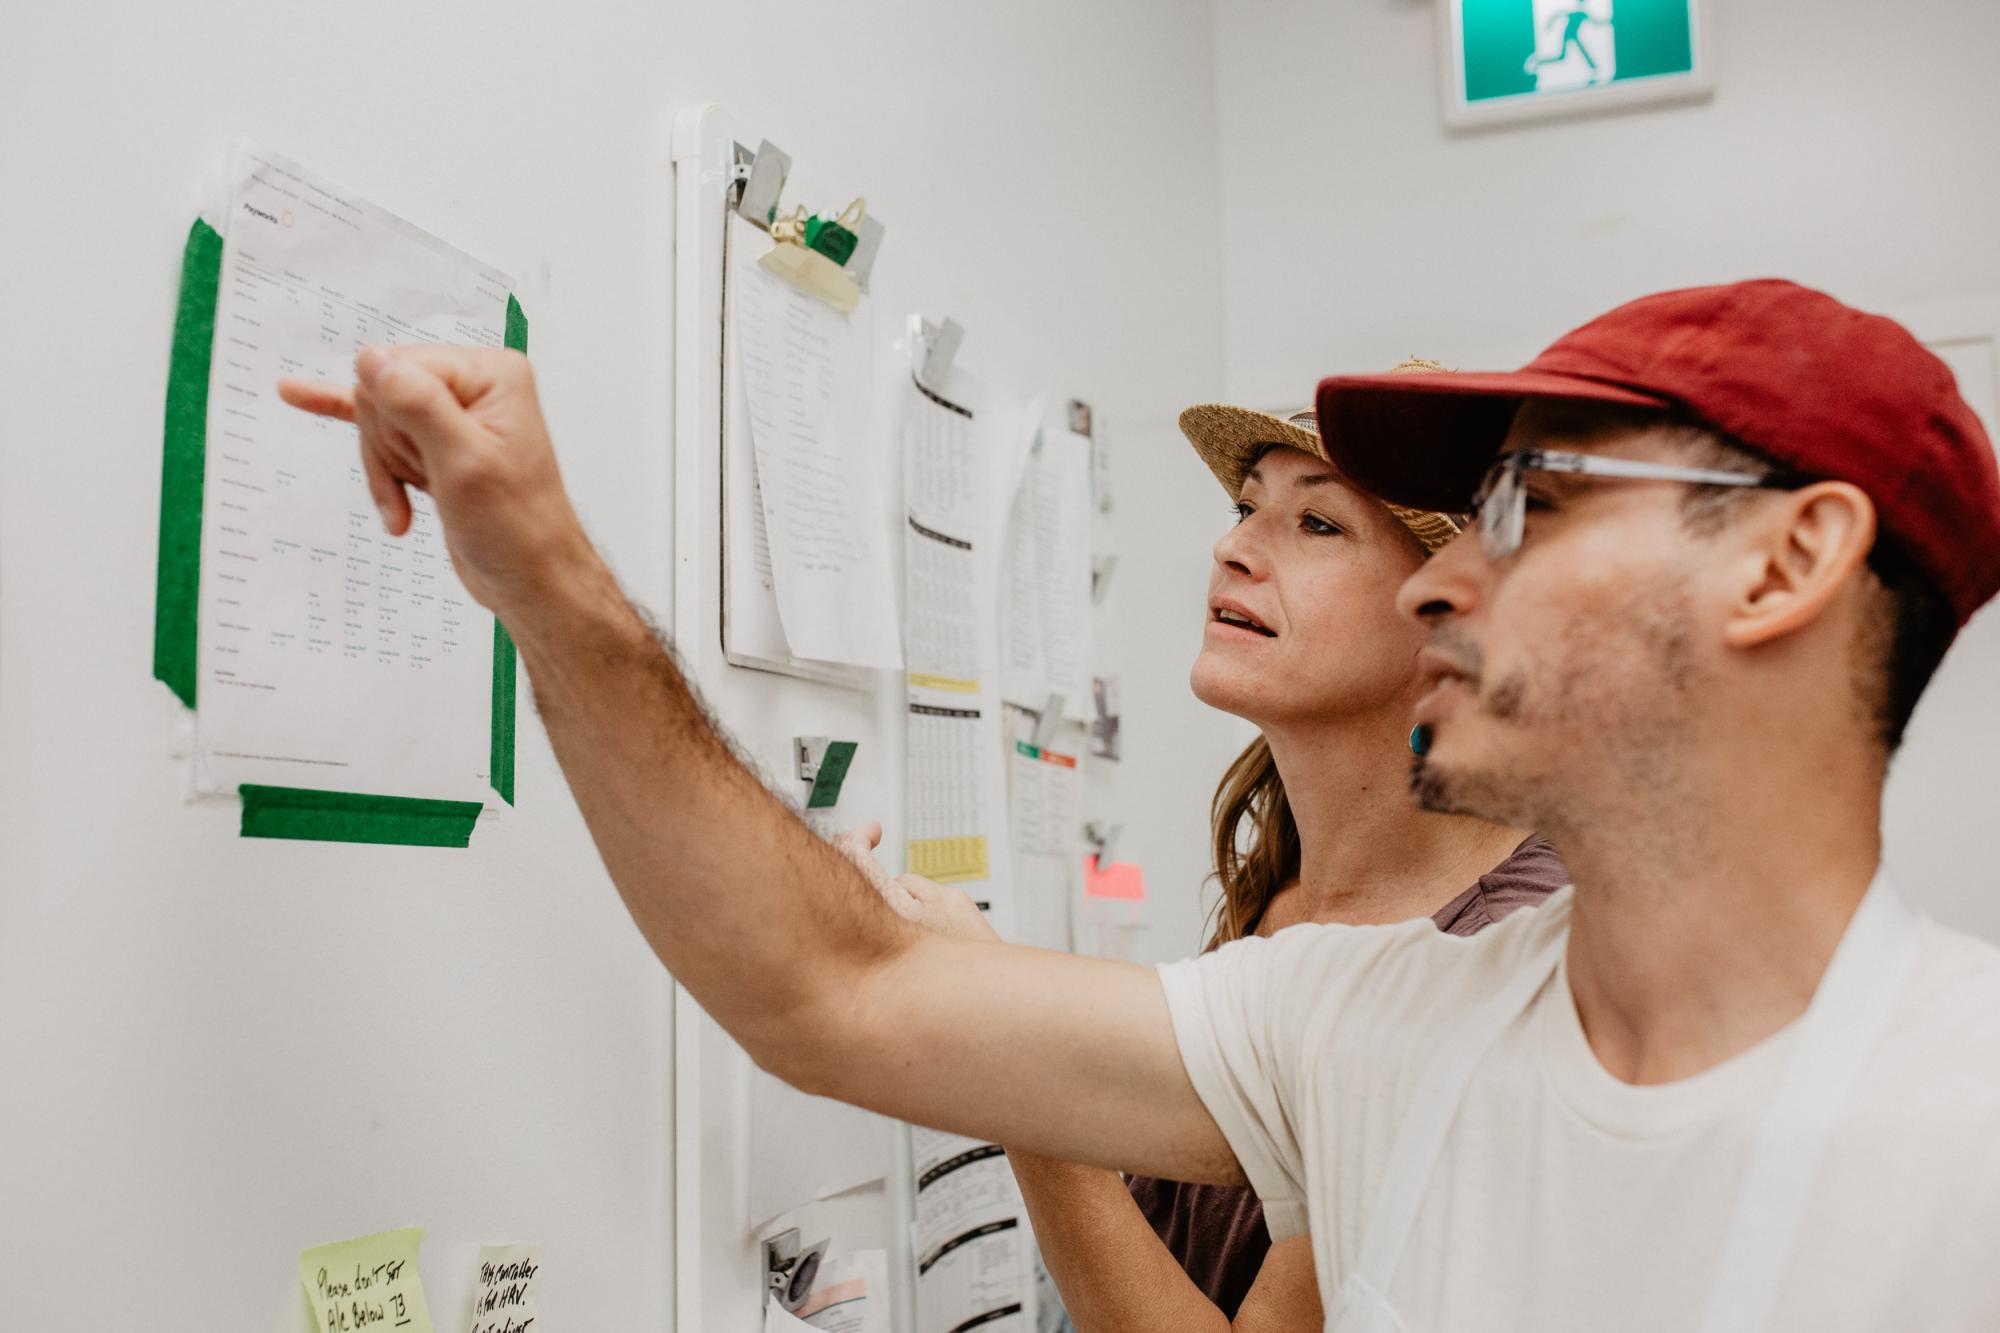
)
(936, 907)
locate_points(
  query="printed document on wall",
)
(1045, 577)
(1045, 831)
(952, 802)
(806, 372)
(943, 485)
(330, 655)
(975, 1252)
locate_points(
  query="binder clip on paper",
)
(790, 1267)
(824, 764)
(936, 346)
(808, 253)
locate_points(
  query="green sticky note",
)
(370, 1283)
(832, 772)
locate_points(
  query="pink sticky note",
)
(1120, 879)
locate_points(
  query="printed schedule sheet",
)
(330, 655)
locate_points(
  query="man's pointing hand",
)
(464, 425)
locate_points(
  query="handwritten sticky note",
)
(503, 1297)
(1120, 879)
(367, 1284)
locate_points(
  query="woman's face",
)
(1313, 566)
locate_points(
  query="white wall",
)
(215, 1051)
(1169, 513)
(1849, 146)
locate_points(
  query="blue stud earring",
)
(1420, 740)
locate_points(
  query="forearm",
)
(1114, 1273)
(750, 910)
(784, 943)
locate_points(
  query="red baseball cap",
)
(1826, 390)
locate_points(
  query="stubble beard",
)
(1486, 795)
(1621, 691)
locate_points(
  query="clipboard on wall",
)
(753, 631)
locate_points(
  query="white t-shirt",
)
(1565, 1199)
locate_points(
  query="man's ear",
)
(1801, 553)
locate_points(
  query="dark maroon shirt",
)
(1217, 1231)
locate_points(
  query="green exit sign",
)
(1517, 59)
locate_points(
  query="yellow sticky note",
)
(368, 1285)
(949, 860)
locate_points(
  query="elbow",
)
(795, 1054)
(827, 1041)
(824, 1025)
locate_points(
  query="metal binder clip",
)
(823, 763)
(768, 170)
(789, 1267)
(813, 273)
(867, 242)
(1047, 722)
(790, 229)
(940, 343)
(810, 751)
(1100, 576)
(1102, 839)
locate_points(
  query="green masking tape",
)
(516, 336)
(337, 816)
(176, 595)
(832, 773)
(502, 768)
(503, 713)
(283, 812)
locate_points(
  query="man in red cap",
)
(1730, 1080)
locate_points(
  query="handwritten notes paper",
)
(808, 391)
(503, 1299)
(367, 1284)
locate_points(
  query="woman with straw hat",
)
(1312, 823)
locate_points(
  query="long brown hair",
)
(1250, 874)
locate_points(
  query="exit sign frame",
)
(1495, 95)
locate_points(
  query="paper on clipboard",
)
(807, 391)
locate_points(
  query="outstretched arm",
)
(771, 929)
(1115, 1274)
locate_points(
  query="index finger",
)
(318, 397)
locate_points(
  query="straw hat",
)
(1230, 439)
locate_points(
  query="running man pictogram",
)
(1572, 21)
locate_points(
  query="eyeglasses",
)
(1500, 506)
